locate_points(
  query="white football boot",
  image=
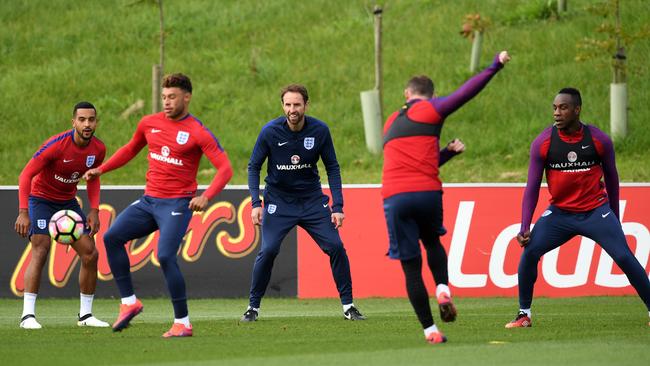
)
(29, 322)
(89, 320)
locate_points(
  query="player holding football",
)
(412, 190)
(576, 157)
(176, 141)
(293, 196)
(47, 184)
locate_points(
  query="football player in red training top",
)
(48, 184)
(176, 141)
(412, 190)
(576, 157)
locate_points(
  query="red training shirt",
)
(174, 152)
(55, 169)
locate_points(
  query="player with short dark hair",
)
(48, 184)
(576, 157)
(295, 88)
(574, 94)
(421, 85)
(412, 190)
(178, 80)
(293, 196)
(176, 140)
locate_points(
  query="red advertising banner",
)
(482, 222)
(219, 249)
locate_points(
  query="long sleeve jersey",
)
(174, 152)
(575, 165)
(55, 169)
(292, 161)
(411, 145)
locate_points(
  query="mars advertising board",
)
(216, 255)
(219, 249)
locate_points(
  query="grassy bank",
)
(239, 53)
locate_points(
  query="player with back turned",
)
(176, 141)
(47, 184)
(412, 190)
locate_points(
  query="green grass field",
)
(573, 331)
(239, 53)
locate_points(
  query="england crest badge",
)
(41, 223)
(90, 160)
(271, 209)
(182, 137)
(309, 143)
(572, 156)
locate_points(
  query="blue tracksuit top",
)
(292, 161)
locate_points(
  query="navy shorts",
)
(169, 215)
(41, 210)
(410, 217)
(283, 213)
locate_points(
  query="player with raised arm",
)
(176, 140)
(48, 184)
(412, 190)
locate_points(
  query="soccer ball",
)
(66, 226)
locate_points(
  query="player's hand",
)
(92, 173)
(23, 223)
(92, 219)
(523, 238)
(456, 145)
(256, 215)
(337, 219)
(504, 57)
(199, 203)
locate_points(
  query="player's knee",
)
(39, 254)
(110, 239)
(269, 253)
(335, 250)
(623, 259)
(166, 259)
(90, 258)
(435, 249)
(530, 257)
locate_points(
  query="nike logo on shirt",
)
(174, 213)
(67, 161)
(283, 143)
(584, 147)
(153, 130)
(605, 215)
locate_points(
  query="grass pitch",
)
(576, 331)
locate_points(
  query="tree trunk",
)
(155, 89)
(378, 65)
(476, 52)
(618, 110)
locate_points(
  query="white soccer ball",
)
(66, 226)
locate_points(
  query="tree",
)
(614, 43)
(473, 29)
